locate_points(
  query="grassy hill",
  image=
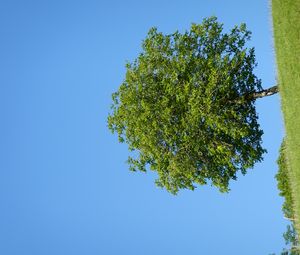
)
(286, 23)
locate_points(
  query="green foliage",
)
(290, 236)
(183, 107)
(283, 183)
(284, 186)
(291, 239)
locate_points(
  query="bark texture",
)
(264, 93)
(255, 95)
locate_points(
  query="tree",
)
(291, 238)
(284, 186)
(187, 106)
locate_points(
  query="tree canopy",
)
(187, 107)
(284, 185)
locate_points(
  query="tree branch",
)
(255, 95)
(264, 93)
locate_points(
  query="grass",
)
(286, 23)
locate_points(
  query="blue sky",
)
(64, 186)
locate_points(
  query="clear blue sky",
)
(65, 188)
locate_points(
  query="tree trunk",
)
(255, 95)
(264, 93)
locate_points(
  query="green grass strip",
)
(286, 22)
